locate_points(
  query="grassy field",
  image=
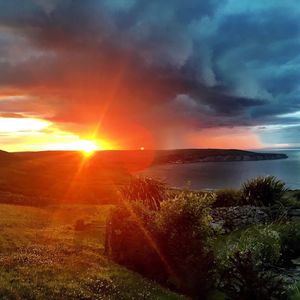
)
(43, 256)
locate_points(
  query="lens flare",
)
(87, 147)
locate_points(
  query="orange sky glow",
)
(38, 134)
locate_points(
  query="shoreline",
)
(284, 156)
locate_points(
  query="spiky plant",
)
(227, 197)
(263, 191)
(145, 189)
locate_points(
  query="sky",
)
(153, 74)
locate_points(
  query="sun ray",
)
(151, 241)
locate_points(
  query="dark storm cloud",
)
(18, 13)
(221, 63)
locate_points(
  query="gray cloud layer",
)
(203, 63)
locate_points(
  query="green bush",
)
(170, 245)
(145, 189)
(131, 240)
(188, 210)
(245, 262)
(263, 191)
(263, 242)
(248, 280)
(184, 232)
(227, 197)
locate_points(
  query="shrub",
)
(290, 241)
(188, 210)
(145, 189)
(295, 291)
(227, 197)
(131, 241)
(247, 280)
(297, 197)
(184, 232)
(245, 262)
(263, 191)
(292, 199)
(170, 245)
(263, 242)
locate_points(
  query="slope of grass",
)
(42, 256)
(45, 178)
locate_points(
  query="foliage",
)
(263, 191)
(290, 241)
(297, 195)
(185, 232)
(244, 261)
(263, 242)
(227, 197)
(295, 291)
(131, 240)
(170, 245)
(248, 280)
(188, 210)
(291, 203)
(278, 213)
(291, 199)
(145, 189)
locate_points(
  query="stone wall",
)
(294, 214)
(226, 219)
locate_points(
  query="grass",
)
(42, 256)
(295, 291)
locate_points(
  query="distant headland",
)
(212, 155)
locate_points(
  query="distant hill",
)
(39, 178)
(212, 155)
(50, 177)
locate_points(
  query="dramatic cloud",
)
(167, 73)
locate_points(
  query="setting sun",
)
(87, 147)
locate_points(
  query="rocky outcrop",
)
(226, 219)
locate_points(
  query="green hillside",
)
(43, 256)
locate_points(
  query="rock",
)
(294, 212)
(218, 227)
(296, 261)
(290, 274)
(235, 217)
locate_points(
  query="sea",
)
(217, 175)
